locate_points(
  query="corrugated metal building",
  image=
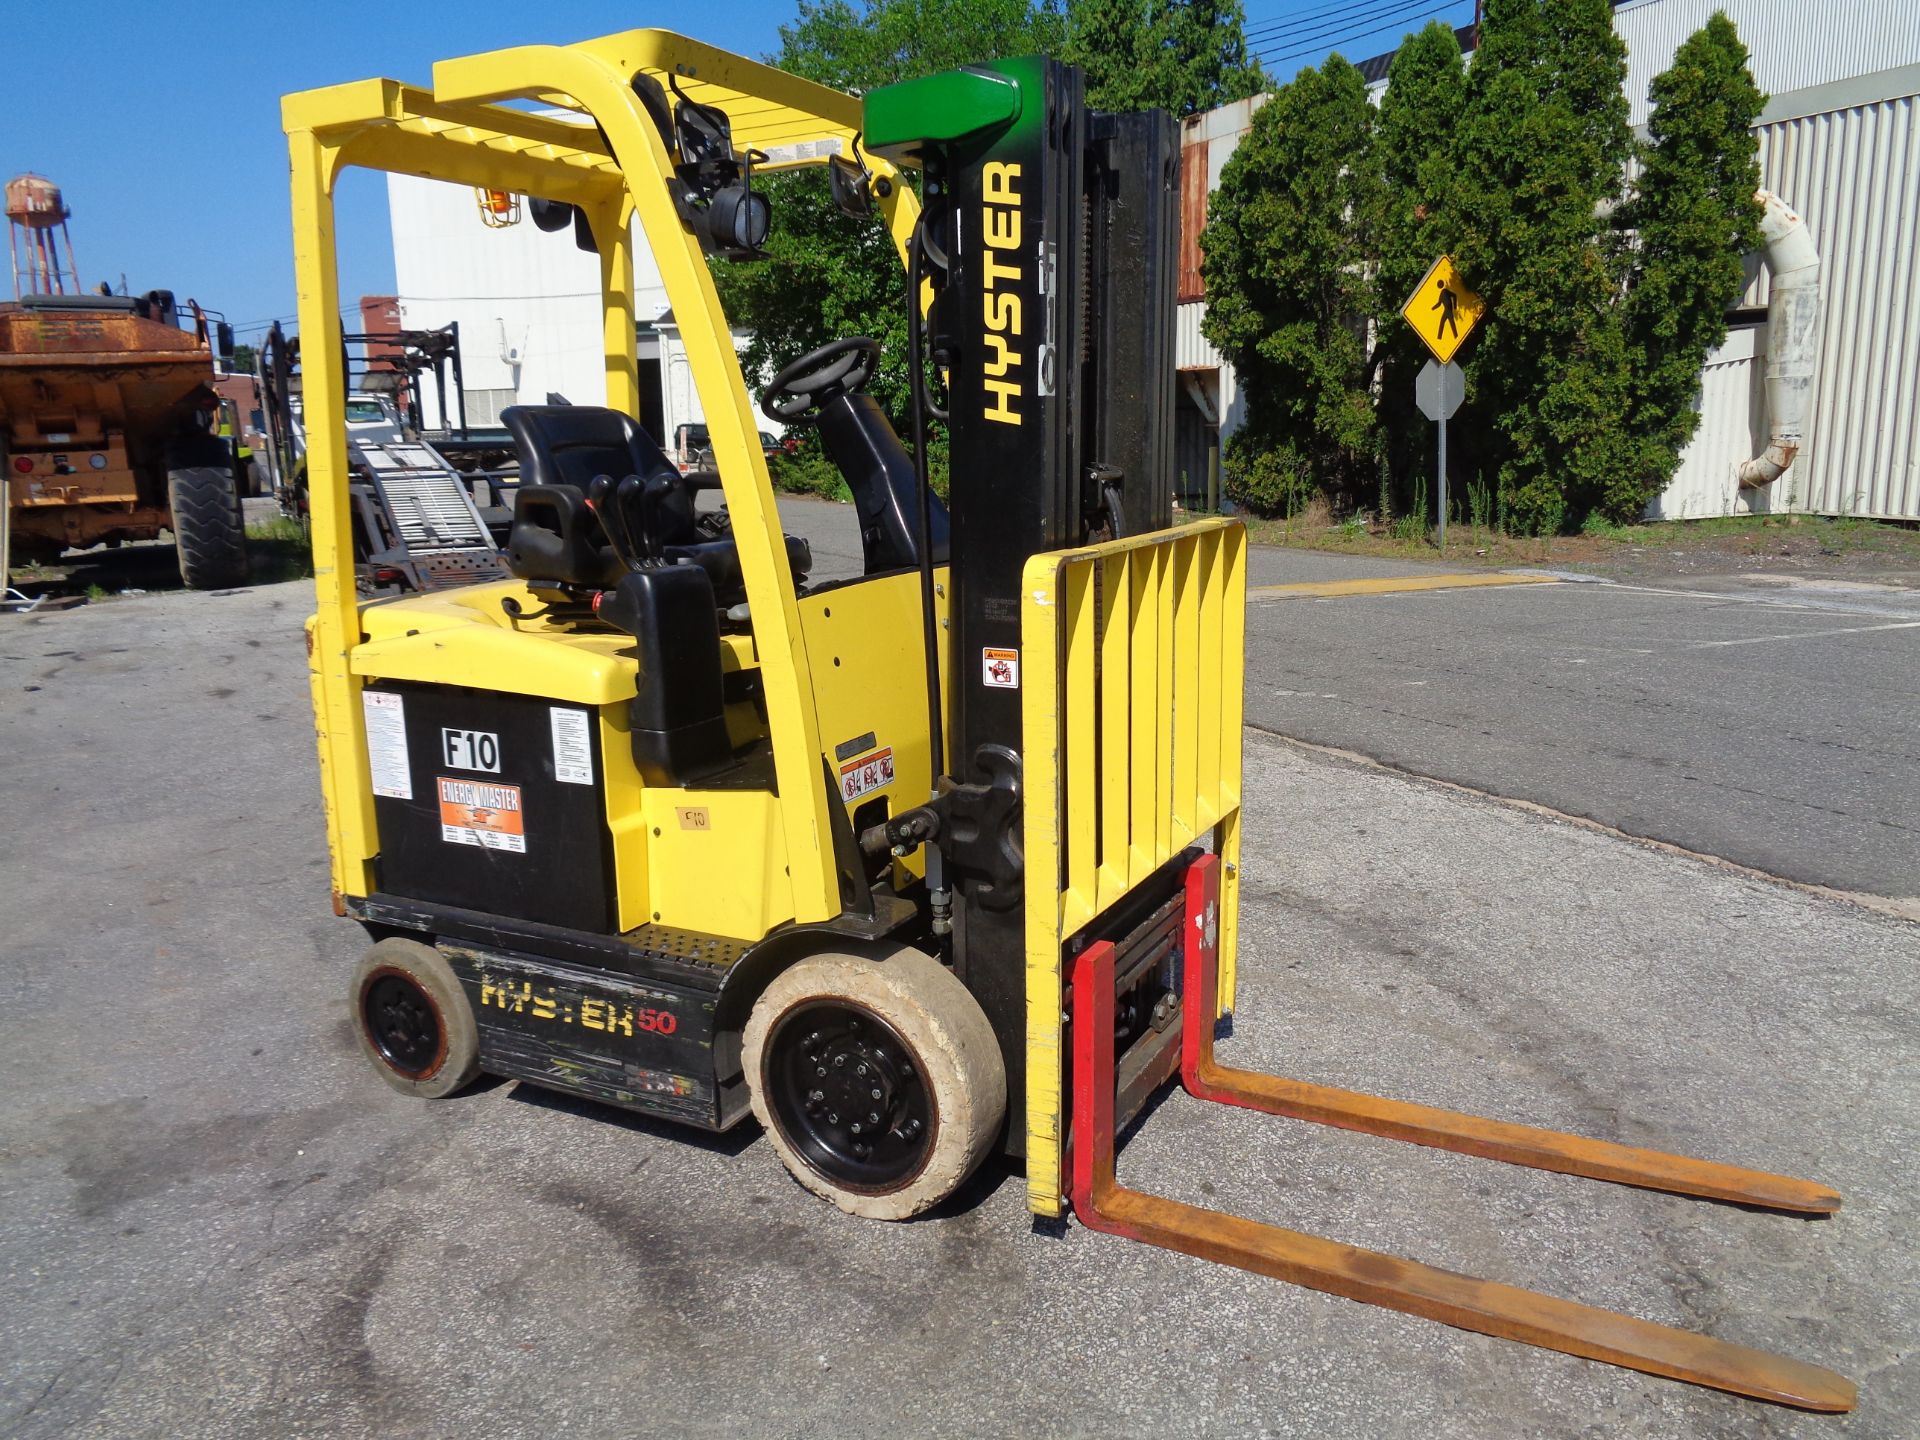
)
(1840, 141)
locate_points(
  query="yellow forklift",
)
(918, 867)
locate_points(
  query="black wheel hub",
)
(403, 1023)
(849, 1094)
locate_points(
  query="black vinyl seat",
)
(557, 539)
(869, 456)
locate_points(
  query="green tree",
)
(1419, 222)
(1181, 56)
(244, 356)
(826, 276)
(1694, 216)
(1543, 142)
(1288, 265)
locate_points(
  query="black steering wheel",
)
(819, 376)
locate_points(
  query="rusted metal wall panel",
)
(1193, 218)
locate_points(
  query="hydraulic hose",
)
(930, 627)
(939, 897)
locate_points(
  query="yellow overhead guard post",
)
(466, 131)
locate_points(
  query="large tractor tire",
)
(208, 529)
(413, 1020)
(878, 1081)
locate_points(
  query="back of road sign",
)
(1439, 389)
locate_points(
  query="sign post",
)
(1438, 390)
(1443, 313)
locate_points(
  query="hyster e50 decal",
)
(1000, 272)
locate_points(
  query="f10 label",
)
(471, 750)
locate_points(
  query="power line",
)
(1301, 17)
(1357, 25)
(1343, 18)
(1333, 42)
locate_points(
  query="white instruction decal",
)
(1000, 669)
(387, 744)
(572, 746)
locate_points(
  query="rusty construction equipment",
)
(1373, 1278)
(107, 426)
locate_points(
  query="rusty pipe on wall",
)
(1793, 337)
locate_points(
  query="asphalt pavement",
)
(1769, 721)
(215, 1221)
(1777, 726)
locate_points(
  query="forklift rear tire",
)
(209, 528)
(413, 1019)
(878, 1081)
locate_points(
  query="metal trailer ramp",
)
(440, 539)
(1371, 1277)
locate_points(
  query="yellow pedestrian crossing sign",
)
(1442, 310)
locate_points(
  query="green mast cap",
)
(899, 119)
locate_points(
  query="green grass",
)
(1599, 541)
(279, 549)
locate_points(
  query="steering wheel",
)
(819, 376)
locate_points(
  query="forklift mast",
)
(1047, 240)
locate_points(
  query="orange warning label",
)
(477, 812)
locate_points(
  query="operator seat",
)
(855, 433)
(555, 537)
(827, 387)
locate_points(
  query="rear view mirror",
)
(549, 216)
(223, 341)
(848, 182)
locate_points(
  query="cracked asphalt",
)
(214, 1221)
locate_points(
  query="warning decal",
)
(1000, 669)
(387, 743)
(857, 777)
(477, 812)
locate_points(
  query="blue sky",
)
(162, 123)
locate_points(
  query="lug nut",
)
(816, 1095)
(856, 1127)
(861, 1071)
(873, 1119)
(839, 1060)
(832, 1119)
(861, 1150)
(876, 1094)
(820, 1070)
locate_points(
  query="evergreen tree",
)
(1543, 144)
(1289, 248)
(1694, 216)
(1419, 222)
(1177, 55)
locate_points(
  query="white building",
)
(1840, 142)
(528, 306)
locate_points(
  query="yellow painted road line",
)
(1393, 585)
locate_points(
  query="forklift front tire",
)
(413, 1019)
(878, 1081)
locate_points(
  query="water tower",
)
(35, 212)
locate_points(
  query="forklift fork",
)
(1378, 1279)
